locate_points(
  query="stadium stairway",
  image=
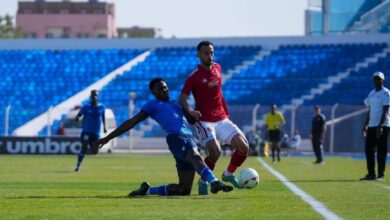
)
(37, 124)
(329, 84)
(230, 73)
(337, 78)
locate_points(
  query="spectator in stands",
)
(376, 127)
(318, 128)
(273, 121)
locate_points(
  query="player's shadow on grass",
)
(316, 181)
(120, 197)
(58, 171)
(68, 197)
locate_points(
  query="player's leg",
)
(278, 144)
(272, 138)
(278, 149)
(207, 175)
(185, 173)
(208, 138)
(314, 145)
(206, 134)
(92, 139)
(320, 150)
(84, 138)
(229, 133)
(186, 177)
(273, 149)
(370, 145)
(382, 153)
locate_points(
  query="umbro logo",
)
(204, 80)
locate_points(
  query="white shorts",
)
(223, 130)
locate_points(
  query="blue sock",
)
(158, 190)
(208, 175)
(80, 158)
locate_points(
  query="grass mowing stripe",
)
(315, 204)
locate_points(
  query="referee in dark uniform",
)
(317, 134)
(377, 127)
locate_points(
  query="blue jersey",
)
(92, 118)
(169, 115)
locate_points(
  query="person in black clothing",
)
(318, 127)
(376, 128)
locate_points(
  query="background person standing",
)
(318, 128)
(273, 121)
(93, 117)
(376, 127)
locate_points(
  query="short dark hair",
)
(154, 81)
(204, 43)
(94, 91)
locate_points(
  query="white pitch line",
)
(383, 186)
(319, 207)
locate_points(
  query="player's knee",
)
(185, 191)
(214, 154)
(241, 144)
(197, 158)
(84, 148)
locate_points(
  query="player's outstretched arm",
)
(77, 118)
(125, 126)
(187, 108)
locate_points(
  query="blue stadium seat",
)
(33, 80)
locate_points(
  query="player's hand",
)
(101, 142)
(365, 131)
(379, 131)
(195, 114)
(104, 130)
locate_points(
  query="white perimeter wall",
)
(265, 42)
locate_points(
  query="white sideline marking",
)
(383, 186)
(315, 204)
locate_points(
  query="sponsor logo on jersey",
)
(213, 83)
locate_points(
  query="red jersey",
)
(206, 85)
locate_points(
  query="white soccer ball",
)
(249, 178)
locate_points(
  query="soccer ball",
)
(249, 178)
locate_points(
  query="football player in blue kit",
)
(169, 115)
(93, 117)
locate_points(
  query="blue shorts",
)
(88, 138)
(180, 145)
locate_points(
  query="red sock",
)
(237, 159)
(209, 163)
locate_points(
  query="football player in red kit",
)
(212, 116)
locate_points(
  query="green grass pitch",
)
(45, 187)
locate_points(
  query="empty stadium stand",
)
(33, 80)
